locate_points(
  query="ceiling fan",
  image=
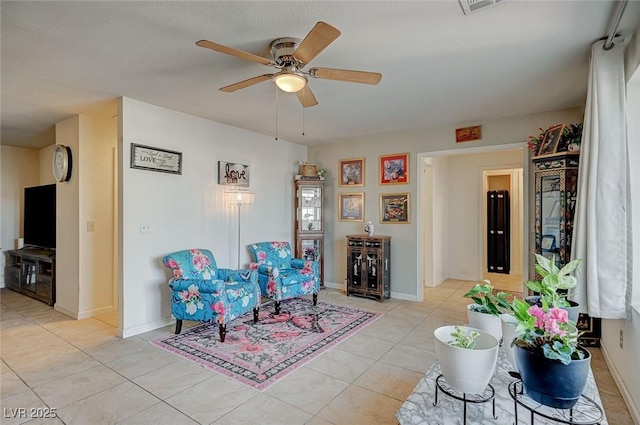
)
(290, 56)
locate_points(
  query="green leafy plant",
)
(556, 282)
(463, 339)
(486, 301)
(546, 331)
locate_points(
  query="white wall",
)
(405, 266)
(45, 162)
(187, 211)
(441, 217)
(465, 182)
(19, 168)
(95, 167)
(67, 229)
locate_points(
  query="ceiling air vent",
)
(471, 6)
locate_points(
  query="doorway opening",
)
(451, 213)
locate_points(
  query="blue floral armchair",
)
(203, 292)
(280, 276)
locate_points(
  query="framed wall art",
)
(550, 141)
(394, 208)
(351, 206)
(394, 168)
(351, 172)
(155, 159)
(231, 174)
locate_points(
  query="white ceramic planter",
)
(465, 370)
(509, 323)
(487, 322)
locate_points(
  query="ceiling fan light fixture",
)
(290, 82)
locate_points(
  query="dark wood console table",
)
(31, 271)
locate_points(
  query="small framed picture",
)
(351, 206)
(232, 174)
(394, 169)
(394, 208)
(352, 172)
(550, 140)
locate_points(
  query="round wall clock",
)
(62, 163)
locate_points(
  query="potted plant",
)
(485, 312)
(459, 347)
(572, 137)
(553, 367)
(555, 285)
(509, 324)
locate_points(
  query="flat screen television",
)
(40, 216)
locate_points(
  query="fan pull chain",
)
(276, 111)
(303, 121)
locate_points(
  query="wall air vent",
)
(471, 6)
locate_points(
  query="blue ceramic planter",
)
(550, 382)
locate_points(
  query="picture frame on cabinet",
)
(351, 206)
(550, 140)
(394, 168)
(394, 208)
(351, 172)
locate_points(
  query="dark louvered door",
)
(498, 236)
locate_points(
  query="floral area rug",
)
(259, 354)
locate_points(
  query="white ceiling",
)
(439, 66)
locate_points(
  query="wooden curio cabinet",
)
(369, 266)
(310, 221)
(556, 191)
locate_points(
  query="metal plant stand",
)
(486, 396)
(585, 412)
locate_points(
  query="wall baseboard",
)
(333, 285)
(66, 311)
(146, 327)
(94, 312)
(634, 411)
(405, 297)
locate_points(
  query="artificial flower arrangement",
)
(546, 331)
(534, 142)
(571, 138)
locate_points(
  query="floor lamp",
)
(239, 197)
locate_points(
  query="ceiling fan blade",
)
(246, 83)
(315, 42)
(234, 52)
(363, 77)
(306, 97)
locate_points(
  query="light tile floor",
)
(92, 377)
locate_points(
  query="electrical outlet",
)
(145, 228)
(621, 339)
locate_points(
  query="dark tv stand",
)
(31, 271)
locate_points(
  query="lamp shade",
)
(239, 197)
(289, 81)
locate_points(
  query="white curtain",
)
(601, 227)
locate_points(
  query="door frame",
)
(420, 190)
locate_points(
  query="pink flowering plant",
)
(546, 331)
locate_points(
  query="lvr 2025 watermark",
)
(30, 413)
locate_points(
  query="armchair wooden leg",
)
(178, 326)
(223, 331)
(315, 298)
(277, 307)
(255, 314)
